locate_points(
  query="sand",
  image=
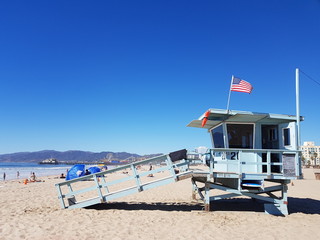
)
(32, 211)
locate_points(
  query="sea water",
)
(26, 169)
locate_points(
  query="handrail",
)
(254, 150)
(162, 157)
(68, 196)
(241, 160)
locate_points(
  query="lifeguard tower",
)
(253, 154)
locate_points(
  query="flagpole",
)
(229, 94)
(298, 108)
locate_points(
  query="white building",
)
(311, 153)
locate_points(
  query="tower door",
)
(270, 137)
(270, 140)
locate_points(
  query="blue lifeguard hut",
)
(253, 154)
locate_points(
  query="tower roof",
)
(217, 116)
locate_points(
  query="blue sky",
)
(130, 75)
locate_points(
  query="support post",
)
(207, 197)
(194, 190)
(280, 206)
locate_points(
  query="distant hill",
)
(71, 156)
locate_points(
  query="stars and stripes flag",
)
(239, 85)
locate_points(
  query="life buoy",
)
(205, 118)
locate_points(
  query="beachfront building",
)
(310, 154)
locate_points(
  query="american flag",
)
(239, 85)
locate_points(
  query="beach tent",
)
(76, 171)
(94, 170)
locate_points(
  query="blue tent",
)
(76, 171)
(94, 170)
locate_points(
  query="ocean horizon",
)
(25, 169)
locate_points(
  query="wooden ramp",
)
(127, 179)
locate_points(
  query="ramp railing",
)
(122, 181)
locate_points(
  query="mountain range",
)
(72, 156)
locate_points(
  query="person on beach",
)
(150, 168)
(4, 176)
(18, 174)
(33, 177)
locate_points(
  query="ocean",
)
(25, 170)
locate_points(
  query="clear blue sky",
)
(130, 75)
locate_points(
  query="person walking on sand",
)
(18, 174)
(4, 176)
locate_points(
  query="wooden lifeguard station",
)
(253, 154)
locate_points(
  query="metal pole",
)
(229, 94)
(298, 108)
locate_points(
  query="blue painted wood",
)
(276, 206)
(60, 196)
(100, 181)
(209, 176)
(223, 196)
(87, 203)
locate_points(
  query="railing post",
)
(60, 196)
(170, 166)
(72, 199)
(137, 177)
(69, 187)
(268, 163)
(98, 188)
(104, 182)
(211, 161)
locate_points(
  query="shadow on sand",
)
(303, 205)
(162, 206)
(296, 205)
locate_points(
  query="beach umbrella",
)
(76, 171)
(94, 170)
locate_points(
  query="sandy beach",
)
(32, 211)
